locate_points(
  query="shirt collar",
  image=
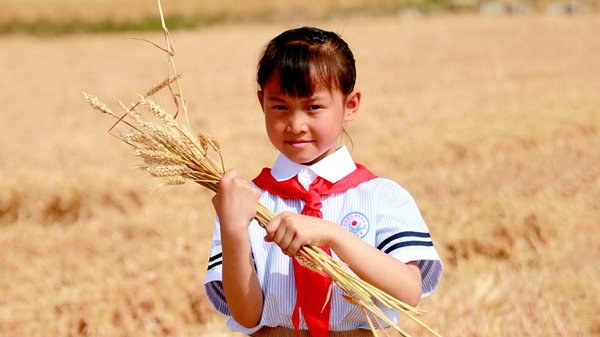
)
(331, 168)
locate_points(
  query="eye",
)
(315, 107)
(278, 107)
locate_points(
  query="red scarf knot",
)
(313, 204)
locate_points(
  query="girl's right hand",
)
(236, 202)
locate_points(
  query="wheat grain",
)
(203, 141)
(96, 104)
(165, 170)
(157, 110)
(170, 181)
(160, 85)
(140, 140)
(152, 156)
(141, 120)
(308, 264)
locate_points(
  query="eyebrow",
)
(277, 98)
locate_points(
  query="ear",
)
(260, 96)
(352, 105)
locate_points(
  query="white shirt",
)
(378, 211)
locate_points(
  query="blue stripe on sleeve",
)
(403, 235)
(212, 258)
(408, 244)
(211, 266)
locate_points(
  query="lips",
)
(298, 144)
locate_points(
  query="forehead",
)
(305, 86)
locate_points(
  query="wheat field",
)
(231, 10)
(492, 124)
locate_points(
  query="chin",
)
(302, 160)
(309, 161)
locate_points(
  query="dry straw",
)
(170, 151)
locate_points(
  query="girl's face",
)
(305, 130)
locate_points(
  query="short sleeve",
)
(402, 233)
(213, 283)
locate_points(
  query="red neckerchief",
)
(312, 288)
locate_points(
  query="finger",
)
(286, 240)
(227, 180)
(294, 248)
(279, 237)
(271, 227)
(257, 193)
(230, 174)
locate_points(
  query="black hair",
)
(304, 58)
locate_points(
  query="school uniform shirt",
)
(378, 211)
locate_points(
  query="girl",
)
(306, 90)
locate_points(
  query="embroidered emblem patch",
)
(356, 223)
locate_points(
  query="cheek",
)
(274, 128)
(331, 128)
(272, 123)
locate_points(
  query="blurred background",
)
(486, 112)
(46, 17)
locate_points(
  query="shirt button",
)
(306, 173)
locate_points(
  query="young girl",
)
(306, 90)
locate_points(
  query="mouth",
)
(298, 144)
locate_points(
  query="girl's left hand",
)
(291, 231)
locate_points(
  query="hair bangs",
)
(299, 71)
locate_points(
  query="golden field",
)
(492, 124)
(131, 10)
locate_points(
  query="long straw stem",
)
(171, 53)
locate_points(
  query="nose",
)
(296, 123)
